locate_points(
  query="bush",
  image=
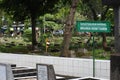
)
(27, 35)
(13, 49)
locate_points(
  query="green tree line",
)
(58, 14)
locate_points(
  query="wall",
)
(65, 66)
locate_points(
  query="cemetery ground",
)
(79, 47)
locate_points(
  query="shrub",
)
(27, 35)
(13, 49)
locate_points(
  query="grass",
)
(18, 45)
(12, 45)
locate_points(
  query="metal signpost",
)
(93, 26)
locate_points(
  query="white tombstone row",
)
(44, 72)
(6, 72)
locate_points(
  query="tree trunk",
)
(104, 41)
(68, 30)
(34, 42)
(117, 29)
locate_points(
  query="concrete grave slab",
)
(45, 72)
(6, 72)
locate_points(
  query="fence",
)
(78, 67)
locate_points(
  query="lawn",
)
(19, 46)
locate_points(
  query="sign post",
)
(93, 57)
(93, 26)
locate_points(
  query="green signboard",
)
(92, 26)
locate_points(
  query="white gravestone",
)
(42, 72)
(6, 72)
(45, 72)
(3, 74)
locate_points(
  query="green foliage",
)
(27, 35)
(52, 25)
(74, 46)
(19, 46)
(42, 38)
(110, 16)
(80, 17)
(14, 49)
(62, 13)
(26, 8)
(94, 10)
(101, 54)
(49, 17)
(49, 21)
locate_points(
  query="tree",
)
(96, 11)
(49, 21)
(68, 29)
(63, 10)
(22, 9)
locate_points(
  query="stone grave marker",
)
(45, 72)
(6, 72)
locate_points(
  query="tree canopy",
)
(22, 9)
(65, 12)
